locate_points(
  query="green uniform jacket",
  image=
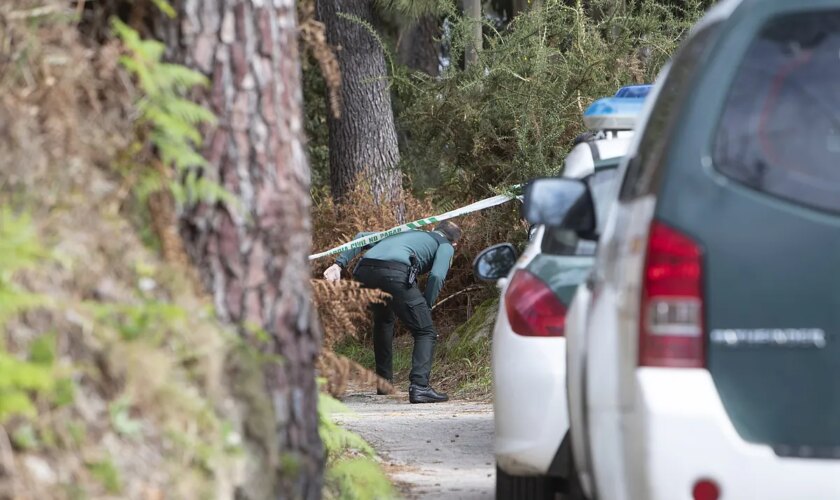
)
(435, 258)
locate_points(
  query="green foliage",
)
(19, 249)
(465, 355)
(337, 439)
(375, 34)
(315, 111)
(20, 381)
(150, 319)
(42, 350)
(106, 473)
(514, 115)
(170, 120)
(77, 431)
(24, 437)
(413, 9)
(352, 473)
(121, 420)
(361, 351)
(64, 392)
(165, 7)
(359, 479)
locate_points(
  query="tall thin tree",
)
(254, 257)
(472, 12)
(363, 140)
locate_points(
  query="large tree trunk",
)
(363, 140)
(418, 45)
(254, 259)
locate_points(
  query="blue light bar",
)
(613, 113)
(618, 112)
(640, 91)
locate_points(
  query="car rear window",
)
(644, 169)
(780, 129)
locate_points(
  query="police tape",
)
(373, 238)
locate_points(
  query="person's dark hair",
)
(450, 230)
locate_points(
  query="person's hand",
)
(333, 273)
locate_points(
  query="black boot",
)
(425, 394)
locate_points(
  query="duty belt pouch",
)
(411, 278)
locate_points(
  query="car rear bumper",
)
(679, 433)
(529, 385)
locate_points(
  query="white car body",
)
(529, 373)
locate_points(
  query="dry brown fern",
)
(343, 309)
(338, 370)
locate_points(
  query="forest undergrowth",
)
(473, 132)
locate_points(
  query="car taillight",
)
(671, 319)
(532, 308)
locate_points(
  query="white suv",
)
(528, 361)
(703, 350)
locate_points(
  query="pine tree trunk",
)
(418, 45)
(363, 141)
(254, 261)
(472, 11)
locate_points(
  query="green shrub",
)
(352, 473)
(513, 115)
(20, 380)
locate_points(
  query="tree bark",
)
(254, 258)
(472, 11)
(363, 140)
(418, 46)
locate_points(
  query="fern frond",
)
(166, 8)
(174, 74)
(190, 112)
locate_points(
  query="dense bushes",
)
(513, 116)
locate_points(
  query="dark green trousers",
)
(407, 304)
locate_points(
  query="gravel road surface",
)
(440, 450)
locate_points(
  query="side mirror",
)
(560, 203)
(494, 263)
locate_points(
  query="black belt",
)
(384, 264)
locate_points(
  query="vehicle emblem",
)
(779, 337)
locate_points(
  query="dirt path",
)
(434, 451)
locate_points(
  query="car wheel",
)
(510, 487)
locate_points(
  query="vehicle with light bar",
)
(528, 360)
(709, 320)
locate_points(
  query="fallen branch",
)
(465, 290)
